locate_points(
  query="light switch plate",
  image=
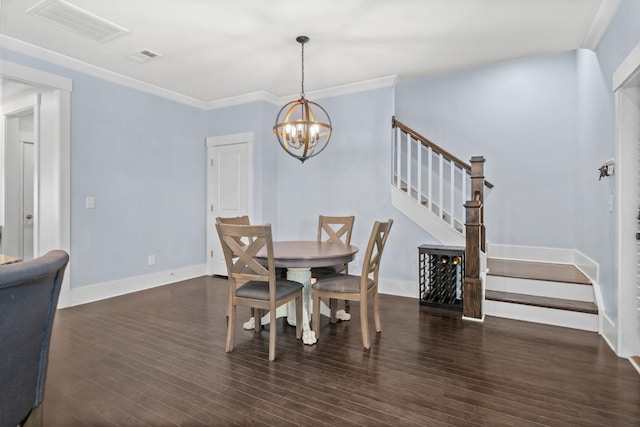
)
(89, 202)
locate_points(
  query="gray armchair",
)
(28, 298)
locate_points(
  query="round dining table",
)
(298, 257)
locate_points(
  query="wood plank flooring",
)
(156, 358)
(537, 270)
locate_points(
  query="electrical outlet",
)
(152, 259)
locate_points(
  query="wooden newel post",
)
(477, 193)
(472, 285)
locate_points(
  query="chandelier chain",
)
(302, 68)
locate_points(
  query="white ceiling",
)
(217, 49)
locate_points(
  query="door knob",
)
(29, 216)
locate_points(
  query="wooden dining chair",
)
(244, 220)
(252, 284)
(334, 229)
(356, 288)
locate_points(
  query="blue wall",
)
(352, 177)
(622, 36)
(143, 159)
(521, 116)
(544, 124)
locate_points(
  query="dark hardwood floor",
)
(156, 358)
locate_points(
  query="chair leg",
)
(376, 312)
(257, 317)
(231, 328)
(299, 317)
(272, 335)
(315, 317)
(333, 306)
(364, 323)
(347, 306)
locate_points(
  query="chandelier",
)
(303, 127)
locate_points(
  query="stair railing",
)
(451, 189)
(430, 175)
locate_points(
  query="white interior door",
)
(229, 188)
(627, 181)
(28, 194)
(20, 178)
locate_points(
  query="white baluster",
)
(409, 165)
(398, 157)
(441, 184)
(430, 177)
(419, 170)
(452, 198)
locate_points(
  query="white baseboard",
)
(100, 291)
(548, 316)
(541, 254)
(541, 288)
(609, 332)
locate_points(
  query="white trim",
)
(34, 76)
(552, 255)
(100, 291)
(635, 365)
(83, 67)
(474, 319)
(544, 315)
(541, 288)
(426, 219)
(608, 332)
(531, 253)
(626, 187)
(600, 23)
(57, 215)
(218, 141)
(347, 89)
(236, 138)
(627, 69)
(243, 99)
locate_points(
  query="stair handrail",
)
(395, 123)
(474, 228)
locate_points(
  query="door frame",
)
(627, 204)
(55, 220)
(218, 141)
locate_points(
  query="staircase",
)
(553, 294)
(439, 192)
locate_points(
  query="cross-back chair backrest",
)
(373, 254)
(235, 220)
(335, 228)
(240, 244)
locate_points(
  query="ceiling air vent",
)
(77, 20)
(144, 56)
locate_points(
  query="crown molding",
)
(600, 24)
(350, 88)
(38, 52)
(33, 76)
(80, 66)
(243, 99)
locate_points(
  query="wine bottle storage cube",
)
(441, 272)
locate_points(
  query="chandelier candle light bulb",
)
(298, 131)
